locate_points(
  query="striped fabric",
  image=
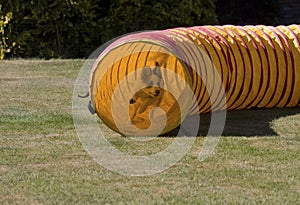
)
(226, 67)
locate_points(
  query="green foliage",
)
(128, 16)
(53, 28)
(4, 21)
(241, 12)
(74, 28)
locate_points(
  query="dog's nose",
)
(157, 92)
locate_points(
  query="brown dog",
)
(149, 96)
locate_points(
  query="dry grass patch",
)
(257, 161)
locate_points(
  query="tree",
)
(242, 12)
(134, 15)
(74, 28)
(4, 44)
(51, 28)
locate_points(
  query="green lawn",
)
(257, 161)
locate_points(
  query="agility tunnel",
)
(187, 71)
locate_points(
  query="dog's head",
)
(152, 82)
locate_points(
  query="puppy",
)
(149, 96)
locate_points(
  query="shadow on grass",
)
(243, 122)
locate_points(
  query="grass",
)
(257, 161)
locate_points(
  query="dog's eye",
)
(132, 101)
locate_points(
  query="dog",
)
(149, 96)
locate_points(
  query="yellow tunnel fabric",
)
(258, 67)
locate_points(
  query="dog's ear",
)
(146, 73)
(157, 69)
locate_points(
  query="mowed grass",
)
(257, 161)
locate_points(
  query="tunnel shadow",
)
(239, 122)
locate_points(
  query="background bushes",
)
(242, 12)
(74, 28)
